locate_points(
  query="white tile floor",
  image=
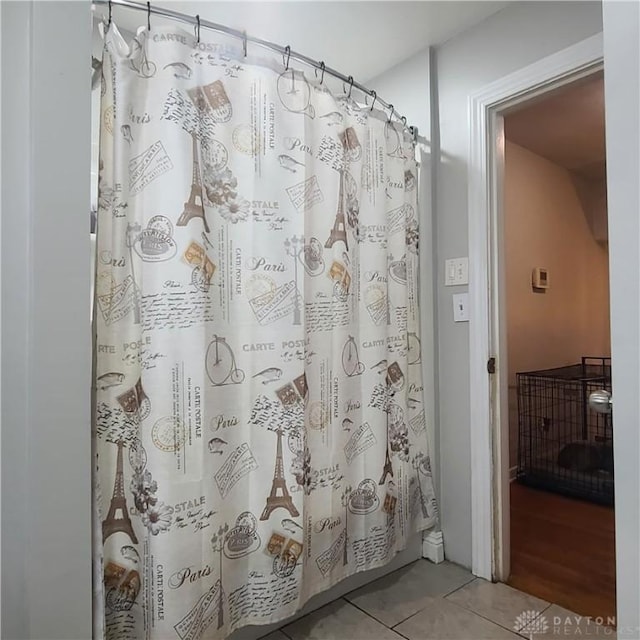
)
(424, 601)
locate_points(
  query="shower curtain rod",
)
(286, 52)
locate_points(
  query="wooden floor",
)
(563, 551)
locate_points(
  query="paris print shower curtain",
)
(259, 426)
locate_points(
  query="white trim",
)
(622, 98)
(500, 382)
(0, 313)
(483, 106)
(433, 546)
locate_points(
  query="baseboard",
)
(513, 472)
(433, 546)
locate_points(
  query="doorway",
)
(490, 487)
(555, 303)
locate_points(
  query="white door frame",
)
(487, 334)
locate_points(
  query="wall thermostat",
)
(540, 278)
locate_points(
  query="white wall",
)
(513, 38)
(545, 225)
(46, 341)
(622, 96)
(407, 86)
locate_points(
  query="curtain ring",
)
(404, 121)
(350, 86)
(148, 16)
(390, 113)
(244, 43)
(315, 71)
(287, 52)
(197, 28)
(375, 97)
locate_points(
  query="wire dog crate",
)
(563, 446)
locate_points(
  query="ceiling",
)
(361, 39)
(565, 126)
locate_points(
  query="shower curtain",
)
(259, 429)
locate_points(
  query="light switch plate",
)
(449, 272)
(456, 272)
(461, 307)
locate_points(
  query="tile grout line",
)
(442, 596)
(348, 603)
(548, 605)
(400, 634)
(462, 586)
(463, 608)
(475, 613)
(355, 606)
(498, 624)
(393, 627)
(281, 630)
(414, 614)
(386, 575)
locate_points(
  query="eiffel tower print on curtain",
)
(113, 522)
(194, 206)
(339, 231)
(274, 501)
(387, 470)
